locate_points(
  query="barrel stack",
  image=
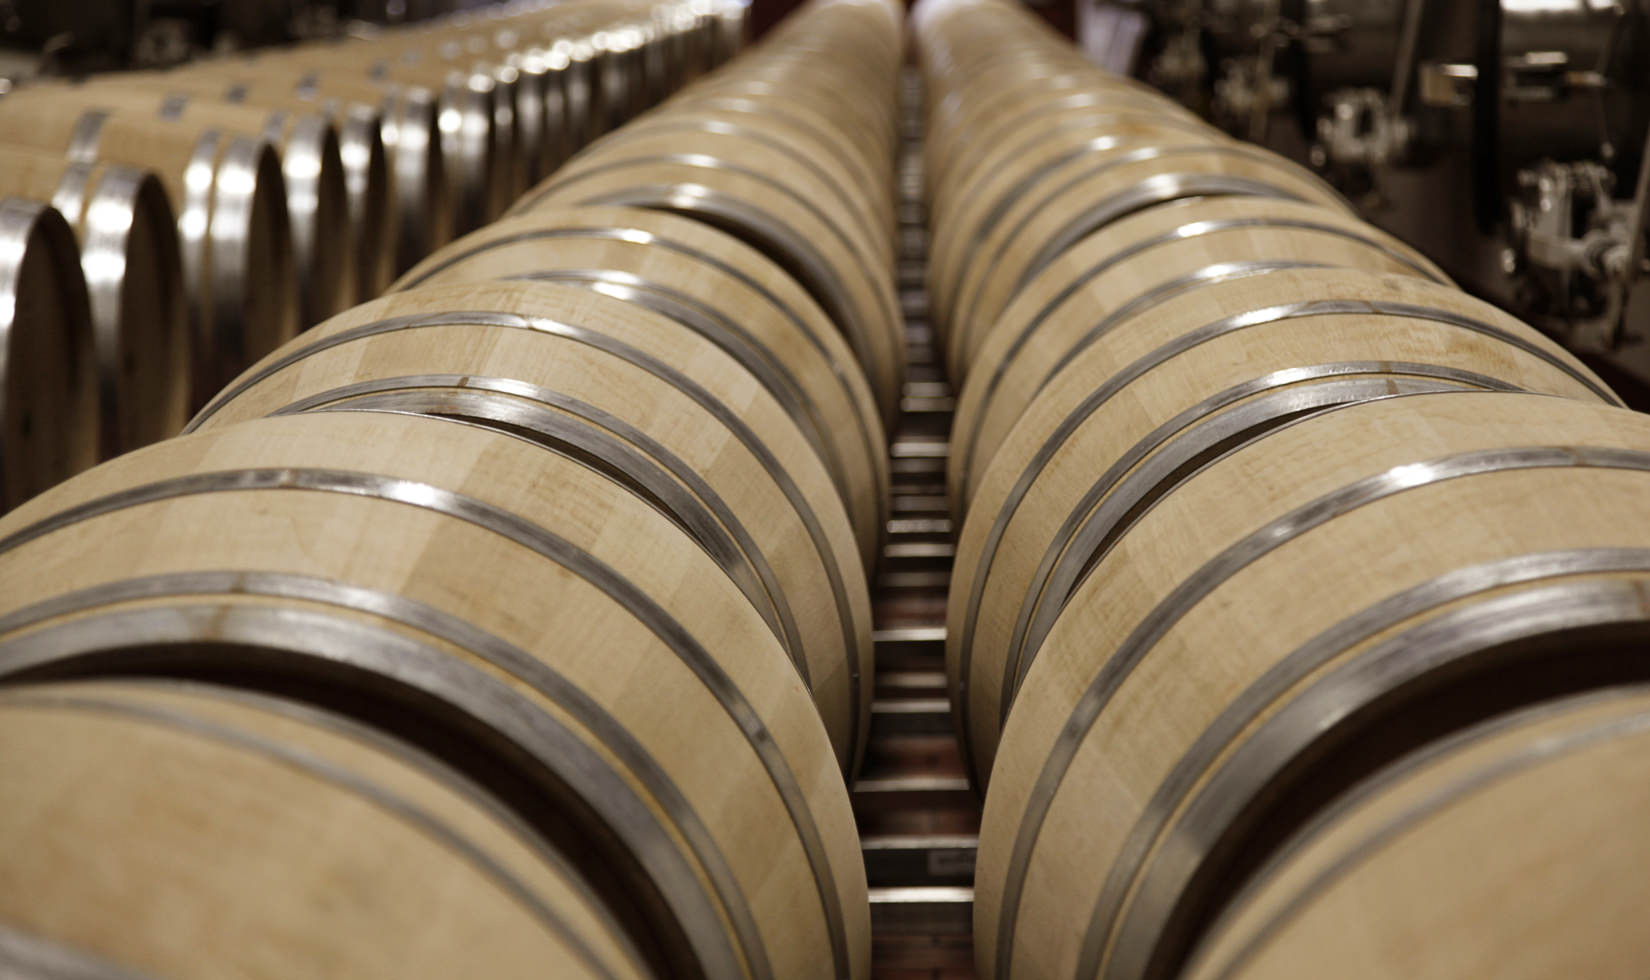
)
(1293, 631)
(223, 206)
(512, 622)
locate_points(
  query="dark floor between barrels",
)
(918, 819)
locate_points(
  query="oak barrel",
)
(1319, 600)
(49, 419)
(671, 409)
(128, 240)
(497, 604)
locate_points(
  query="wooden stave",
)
(1092, 203)
(702, 602)
(1493, 758)
(996, 190)
(814, 86)
(803, 531)
(784, 322)
(871, 212)
(806, 124)
(859, 299)
(1051, 211)
(1000, 548)
(1019, 360)
(49, 410)
(1063, 334)
(240, 735)
(1028, 131)
(746, 151)
(1487, 495)
(1129, 237)
(1005, 107)
(229, 313)
(134, 284)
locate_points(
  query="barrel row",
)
(222, 206)
(791, 149)
(1294, 601)
(513, 622)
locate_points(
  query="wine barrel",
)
(211, 818)
(311, 165)
(782, 117)
(1128, 269)
(1104, 187)
(129, 256)
(363, 156)
(810, 242)
(1321, 599)
(655, 400)
(1131, 408)
(1046, 228)
(1005, 110)
(475, 119)
(717, 286)
(486, 599)
(771, 148)
(232, 223)
(957, 224)
(1513, 849)
(421, 197)
(49, 418)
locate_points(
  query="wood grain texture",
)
(755, 299)
(779, 530)
(1531, 874)
(514, 593)
(1025, 376)
(227, 845)
(1224, 642)
(858, 294)
(1001, 571)
(957, 227)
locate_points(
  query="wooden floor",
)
(918, 819)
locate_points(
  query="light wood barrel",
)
(192, 828)
(1319, 600)
(1127, 407)
(1041, 230)
(777, 115)
(1034, 124)
(422, 192)
(500, 605)
(476, 144)
(48, 366)
(364, 157)
(1092, 190)
(717, 286)
(1513, 850)
(773, 148)
(1005, 110)
(955, 231)
(306, 144)
(134, 280)
(1125, 271)
(661, 403)
(814, 245)
(236, 247)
